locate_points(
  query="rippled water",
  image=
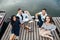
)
(33, 6)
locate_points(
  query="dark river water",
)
(33, 6)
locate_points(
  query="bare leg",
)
(45, 34)
(12, 37)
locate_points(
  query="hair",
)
(12, 21)
(17, 17)
(51, 20)
(44, 9)
(12, 17)
(23, 11)
(19, 9)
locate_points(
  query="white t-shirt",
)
(25, 17)
(42, 17)
(21, 21)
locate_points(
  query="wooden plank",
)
(37, 31)
(57, 36)
(58, 20)
(26, 35)
(53, 33)
(55, 20)
(34, 32)
(29, 36)
(29, 32)
(56, 23)
(2, 16)
(6, 35)
(22, 34)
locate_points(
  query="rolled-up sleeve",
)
(53, 28)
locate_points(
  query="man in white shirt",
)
(41, 16)
(19, 14)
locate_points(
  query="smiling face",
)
(14, 18)
(26, 12)
(43, 12)
(20, 11)
(48, 19)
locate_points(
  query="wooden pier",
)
(34, 35)
(2, 16)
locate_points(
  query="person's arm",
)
(19, 23)
(27, 16)
(53, 28)
(42, 27)
(36, 15)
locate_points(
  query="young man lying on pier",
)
(24, 16)
(41, 16)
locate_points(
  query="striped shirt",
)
(50, 27)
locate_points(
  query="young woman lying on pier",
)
(47, 28)
(15, 26)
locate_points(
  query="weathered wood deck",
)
(34, 35)
(26, 35)
(2, 16)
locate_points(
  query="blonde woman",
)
(29, 16)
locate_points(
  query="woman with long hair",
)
(47, 27)
(15, 25)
